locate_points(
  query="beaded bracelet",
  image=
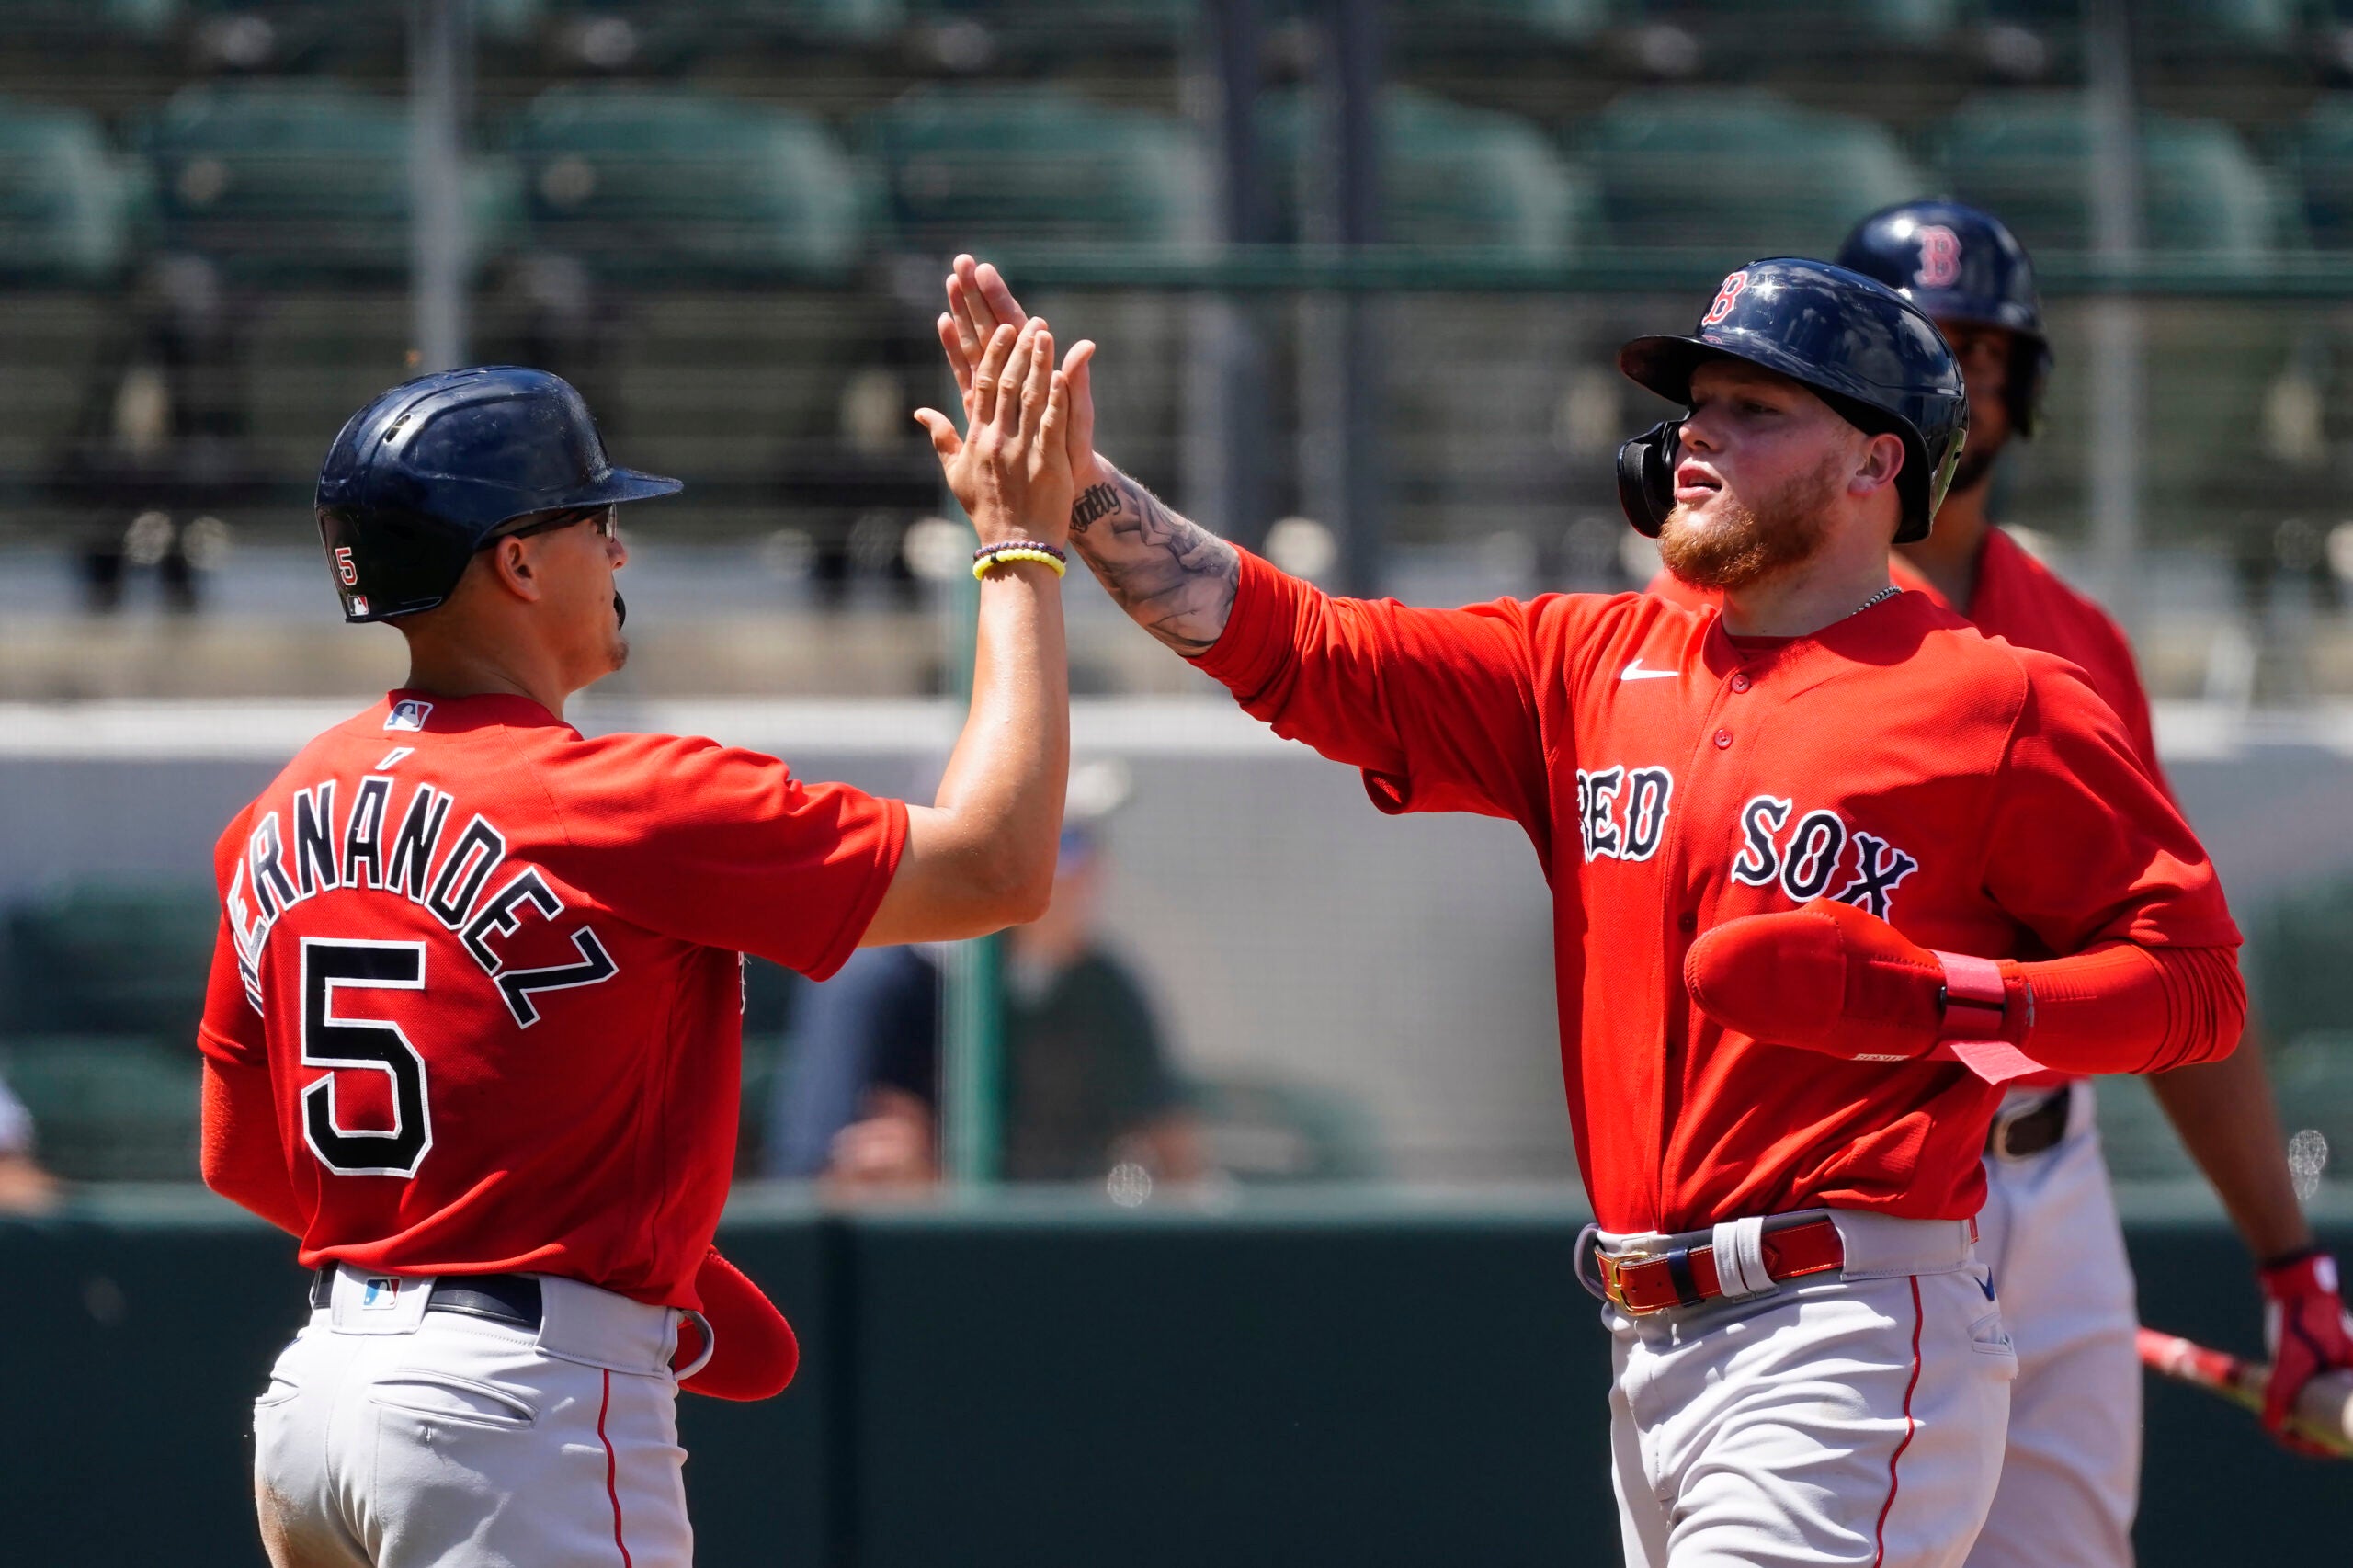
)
(1044, 554)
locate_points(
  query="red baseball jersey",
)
(1978, 795)
(2020, 600)
(494, 969)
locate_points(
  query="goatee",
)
(1747, 545)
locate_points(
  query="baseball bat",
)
(2323, 1412)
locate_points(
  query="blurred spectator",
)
(1086, 1081)
(25, 1187)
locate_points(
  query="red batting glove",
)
(754, 1352)
(2305, 1324)
(1829, 977)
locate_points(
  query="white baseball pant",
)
(2071, 1477)
(1853, 1419)
(392, 1437)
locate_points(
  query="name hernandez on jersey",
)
(328, 852)
(491, 968)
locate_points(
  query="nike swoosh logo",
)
(1986, 1285)
(1635, 672)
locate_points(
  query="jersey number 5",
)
(331, 1042)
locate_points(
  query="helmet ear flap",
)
(1646, 476)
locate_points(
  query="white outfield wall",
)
(1285, 925)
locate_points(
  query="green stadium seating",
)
(66, 204)
(1740, 172)
(1561, 21)
(67, 18)
(2322, 158)
(1032, 168)
(831, 21)
(1450, 175)
(685, 185)
(299, 178)
(1779, 23)
(2172, 26)
(2023, 154)
(2300, 943)
(107, 1108)
(1267, 1129)
(111, 959)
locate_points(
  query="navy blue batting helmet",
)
(1864, 350)
(1960, 264)
(427, 473)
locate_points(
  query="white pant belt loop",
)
(1740, 1258)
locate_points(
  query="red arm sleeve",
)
(1836, 979)
(1436, 707)
(2132, 1010)
(754, 1352)
(239, 1148)
(726, 848)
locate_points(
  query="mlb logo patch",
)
(408, 713)
(381, 1295)
(359, 604)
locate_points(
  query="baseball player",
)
(1829, 868)
(473, 1027)
(2049, 1232)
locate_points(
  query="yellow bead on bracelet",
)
(1015, 552)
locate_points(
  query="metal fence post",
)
(972, 1014)
(442, 44)
(2119, 408)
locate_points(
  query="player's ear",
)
(1879, 462)
(515, 567)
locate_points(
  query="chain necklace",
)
(1885, 594)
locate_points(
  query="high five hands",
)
(1011, 469)
(980, 305)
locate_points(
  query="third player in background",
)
(2050, 1229)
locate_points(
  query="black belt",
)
(502, 1298)
(2028, 1133)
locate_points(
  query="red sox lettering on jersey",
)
(494, 969)
(1976, 795)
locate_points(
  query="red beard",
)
(1748, 546)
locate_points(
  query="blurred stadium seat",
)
(691, 185)
(1740, 171)
(67, 203)
(1905, 21)
(298, 179)
(107, 1108)
(111, 959)
(1450, 175)
(2322, 158)
(1019, 166)
(63, 20)
(2024, 155)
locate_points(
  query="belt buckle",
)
(1679, 1273)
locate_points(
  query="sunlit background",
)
(1358, 272)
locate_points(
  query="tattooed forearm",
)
(1175, 578)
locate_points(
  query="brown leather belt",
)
(1686, 1275)
(2031, 1131)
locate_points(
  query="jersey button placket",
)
(1724, 739)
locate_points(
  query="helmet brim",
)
(623, 484)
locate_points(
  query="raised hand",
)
(979, 301)
(1011, 469)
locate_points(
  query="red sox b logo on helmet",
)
(1939, 258)
(344, 569)
(1724, 298)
